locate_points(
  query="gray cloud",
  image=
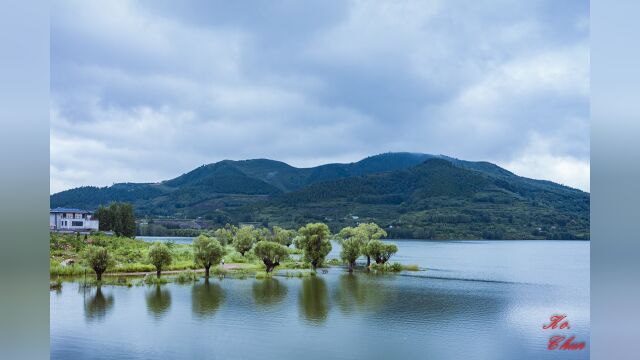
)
(145, 91)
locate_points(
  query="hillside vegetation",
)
(410, 195)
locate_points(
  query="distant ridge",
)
(411, 194)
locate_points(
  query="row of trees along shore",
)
(270, 246)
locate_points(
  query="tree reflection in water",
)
(359, 293)
(268, 292)
(97, 306)
(314, 299)
(158, 301)
(206, 298)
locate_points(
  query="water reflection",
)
(357, 293)
(158, 301)
(206, 298)
(268, 292)
(97, 306)
(314, 299)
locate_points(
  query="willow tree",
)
(244, 239)
(159, 256)
(314, 241)
(270, 253)
(283, 236)
(351, 251)
(225, 235)
(364, 234)
(380, 251)
(97, 258)
(207, 252)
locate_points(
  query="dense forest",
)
(410, 195)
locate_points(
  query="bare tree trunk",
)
(158, 273)
(368, 260)
(206, 271)
(98, 276)
(350, 267)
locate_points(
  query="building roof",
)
(69, 210)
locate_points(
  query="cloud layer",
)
(144, 91)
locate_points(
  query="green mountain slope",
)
(411, 195)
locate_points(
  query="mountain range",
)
(411, 195)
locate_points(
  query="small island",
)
(98, 258)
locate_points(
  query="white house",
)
(66, 219)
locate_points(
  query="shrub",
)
(185, 277)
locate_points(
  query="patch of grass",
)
(186, 277)
(153, 280)
(411, 267)
(395, 267)
(218, 271)
(57, 269)
(297, 274)
(263, 275)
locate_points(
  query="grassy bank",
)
(130, 257)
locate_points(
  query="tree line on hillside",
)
(270, 246)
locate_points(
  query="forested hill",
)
(411, 195)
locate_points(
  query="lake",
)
(475, 300)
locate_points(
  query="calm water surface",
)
(475, 300)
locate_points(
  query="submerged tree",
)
(270, 253)
(363, 233)
(314, 240)
(159, 256)
(98, 259)
(380, 251)
(351, 250)
(244, 239)
(207, 252)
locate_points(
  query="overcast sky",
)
(145, 91)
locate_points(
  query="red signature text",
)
(561, 342)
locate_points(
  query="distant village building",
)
(67, 219)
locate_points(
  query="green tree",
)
(314, 240)
(118, 217)
(244, 239)
(270, 253)
(262, 234)
(366, 233)
(283, 236)
(97, 258)
(351, 250)
(380, 251)
(207, 252)
(159, 256)
(104, 217)
(225, 235)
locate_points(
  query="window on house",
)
(64, 216)
(76, 223)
